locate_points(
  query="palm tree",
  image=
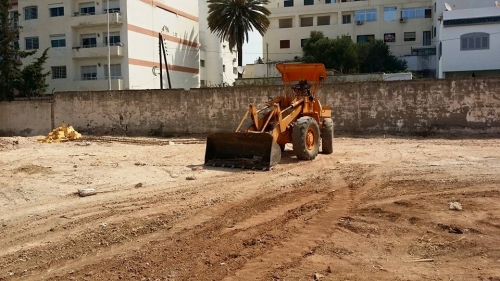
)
(231, 20)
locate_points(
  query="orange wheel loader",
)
(297, 117)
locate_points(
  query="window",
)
(390, 37)
(58, 72)
(89, 72)
(116, 71)
(428, 13)
(329, 1)
(235, 70)
(365, 38)
(89, 41)
(114, 39)
(284, 44)
(14, 19)
(427, 38)
(56, 10)
(288, 3)
(410, 36)
(31, 13)
(416, 13)
(390, 13)
(203, 83)
(31, 43)
(308, 2)
(435, 33)
(365, 15)
(474, 41)
(223, 68)
(306, 21)
(346, 19)
(285, 23)
(323, 20)
(303, 42)
(87, 8)
(57, 41)
(114, 6)
(112, 10)
(202, 63)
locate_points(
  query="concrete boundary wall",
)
(468, 106)
(26, 117)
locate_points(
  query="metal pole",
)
(166, 64)
(109, 53)
(160, 41)
(267, 59)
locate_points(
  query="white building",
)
(469, 36)
(76, 32)
(405, 25)
(218, 66)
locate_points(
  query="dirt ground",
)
(376, 209)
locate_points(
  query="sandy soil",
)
(376, 209)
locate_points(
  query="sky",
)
(253, 49)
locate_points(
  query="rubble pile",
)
(61, 134)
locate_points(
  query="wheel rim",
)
(310, 139)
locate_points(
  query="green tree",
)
(10, 55)
(33, 79)
(339, 53)
(375, 56)
(345, 56)
(231, 20)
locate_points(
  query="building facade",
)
(218, 65)
(405, 25)
(468, 33)
(76, 32)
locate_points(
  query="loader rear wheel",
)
(305, 138)
(327, 136)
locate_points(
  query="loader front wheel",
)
(305, 138)
(327, 136)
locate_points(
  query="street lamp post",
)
(109, 52)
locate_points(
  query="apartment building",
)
(218, 65)
(77, 33)
(468, 35)
(405, 25)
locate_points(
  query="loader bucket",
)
(242, 150)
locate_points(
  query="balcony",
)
(100, 84)
(79, 21)
(97, 51)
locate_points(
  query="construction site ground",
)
(375, 209)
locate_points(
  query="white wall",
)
(144, 23)
(215, 54)
(420, 62)
(455, 5)
(453, 59)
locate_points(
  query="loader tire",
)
(305, 138)
(327, 136)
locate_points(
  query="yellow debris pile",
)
(61, 134)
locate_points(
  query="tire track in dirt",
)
(124, 229)
(357, 182)
(188, 249)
